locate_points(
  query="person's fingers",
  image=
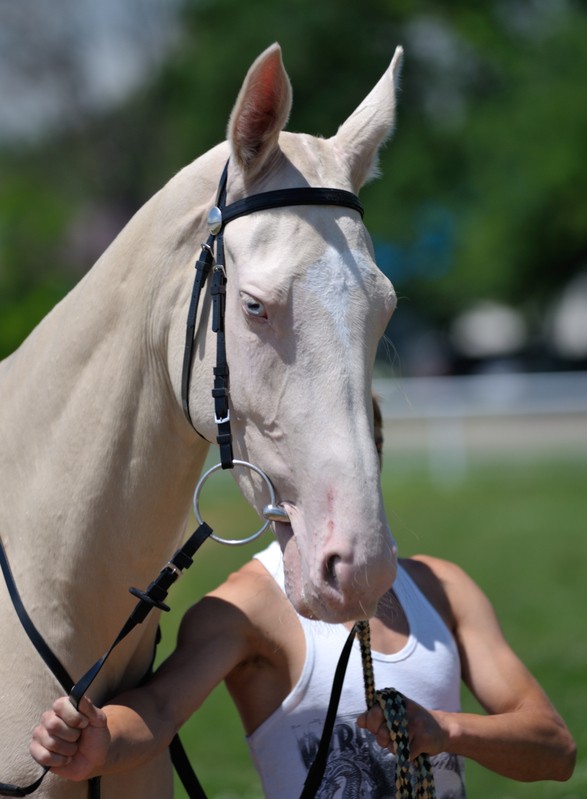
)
(374, 721)
(68, 714)
(86, 714)
(95, 715)
(44, 757)
(53, 726)
(50, 749)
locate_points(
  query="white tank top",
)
(426, 669)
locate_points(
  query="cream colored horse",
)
(98, 461)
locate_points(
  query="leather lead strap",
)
(184, 770)
(316, 771)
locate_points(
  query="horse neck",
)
(98, 462)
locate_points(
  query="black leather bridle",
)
(212, 257)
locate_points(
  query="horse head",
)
(305, 308)
(97, 455)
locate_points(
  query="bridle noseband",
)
(212, 257)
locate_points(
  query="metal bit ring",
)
(266, 523)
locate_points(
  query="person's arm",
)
(522, 736)
(215, 636)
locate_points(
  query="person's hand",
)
(424, 726)
(71, 743)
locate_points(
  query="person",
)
(433, 628)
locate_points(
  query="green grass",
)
(517, 527)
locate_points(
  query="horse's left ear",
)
(260, 112)
(359, 139)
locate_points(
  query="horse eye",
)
(253, 307)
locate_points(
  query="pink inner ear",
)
(261, 111)
(267, 89)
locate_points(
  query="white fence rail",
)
(449, 417)
(483, 395)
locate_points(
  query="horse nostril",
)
(329, 572)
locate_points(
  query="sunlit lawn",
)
(518, 527)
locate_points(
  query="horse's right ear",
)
(260, 112)
(359, 139)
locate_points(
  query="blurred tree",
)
(484, 190)
(487, 170)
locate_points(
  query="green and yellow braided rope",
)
(413, 779)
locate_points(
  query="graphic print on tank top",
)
(358, 767)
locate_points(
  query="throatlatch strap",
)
(202, 268)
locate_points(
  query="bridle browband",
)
(212, 257)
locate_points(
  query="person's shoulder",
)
(262, 613)
(248, 588)
(434, 569)
(237, 608)
(441, 581)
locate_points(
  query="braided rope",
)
(413, 779)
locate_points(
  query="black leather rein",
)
(151, 597)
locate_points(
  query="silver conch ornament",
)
(214, 220)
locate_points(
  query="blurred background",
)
(479, 219)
